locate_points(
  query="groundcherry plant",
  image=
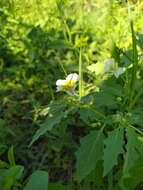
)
(110, 151)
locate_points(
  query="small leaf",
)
(3, 164)
(11, 156)
(89, 153)
(11, 176)
(47, 126)
(113, 147)
(37, 181)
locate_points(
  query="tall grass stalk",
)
(80, 74)
(66, 30)
(132, 80)
(135, 66)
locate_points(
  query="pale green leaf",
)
(37, 181)
(11, 176)
(11, 158)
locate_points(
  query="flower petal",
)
(60, 82)
(58, 88)
(73, 77)
(109, 65)
(119, 71)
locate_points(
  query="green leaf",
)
(135, 175)
(47, 126)
(135, 52)
(104, 99)
(90, 151)
(11, 156)
(59, 44)
(135, 117)
(112, 87)
(37, 181)
(3, 148)
(97, 174)
(11, 176)
(139, 39)
(134, 149)
(57, 186)
(87, 116)
(113, 147)
(3, 164)
(2, 171)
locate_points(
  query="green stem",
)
(135, 65)
(137, 130)
(63, 69)
(80, 74)
(135, 99)
(66, 30)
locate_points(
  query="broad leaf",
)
(89, 152)
(134, 149)
(113, 147)
(135, 175)
(104, 99)
(87, 116)
(37, 181)
(112, 87)
(96, 176)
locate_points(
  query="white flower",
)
(141, 57)
(119, 71)
(69, 84)
(109, 65)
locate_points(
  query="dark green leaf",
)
(87, 116)
(135, 175)
(134, 149)
(57, 186)
(113, 147)
(47, 125)
(89, 152)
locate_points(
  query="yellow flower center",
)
(69, 85)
